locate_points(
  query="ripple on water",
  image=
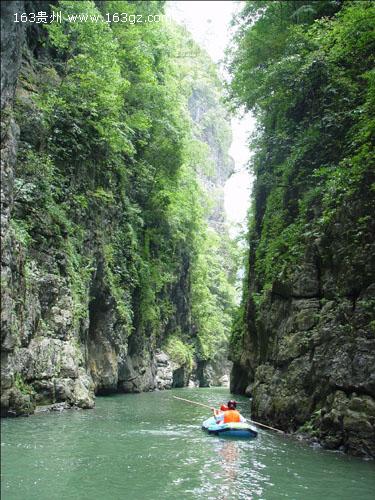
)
(131, 447)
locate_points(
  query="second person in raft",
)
(228, 414)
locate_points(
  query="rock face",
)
(54, 349)
(64, 337)
(303, 344)
(307, 355)
(209, 119)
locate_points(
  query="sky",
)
(208, 22)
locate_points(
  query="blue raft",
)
(234, 429)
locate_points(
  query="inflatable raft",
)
(233, 429)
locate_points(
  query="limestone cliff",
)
(94, 280)
(305, 349)
(303, 344)
(307, 356)
(212, 128)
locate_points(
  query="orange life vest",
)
(231, 416)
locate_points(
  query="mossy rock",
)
(14, 403)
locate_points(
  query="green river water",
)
(150, 446)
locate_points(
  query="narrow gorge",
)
(119, 274)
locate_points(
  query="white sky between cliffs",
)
(208, 22)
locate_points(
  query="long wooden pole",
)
(267, 426)
(192, 402)
(206, 406)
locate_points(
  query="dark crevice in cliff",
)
(102, 355)
(98, 305)
(353, 297)
(354, 390)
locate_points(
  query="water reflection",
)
(235, 470)
(230, 458)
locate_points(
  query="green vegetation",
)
(180, 353)
(112, 180)
(305, 70)
(213, 301)
(22, 386)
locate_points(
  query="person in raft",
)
(228, 413)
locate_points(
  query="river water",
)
(150, 446)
